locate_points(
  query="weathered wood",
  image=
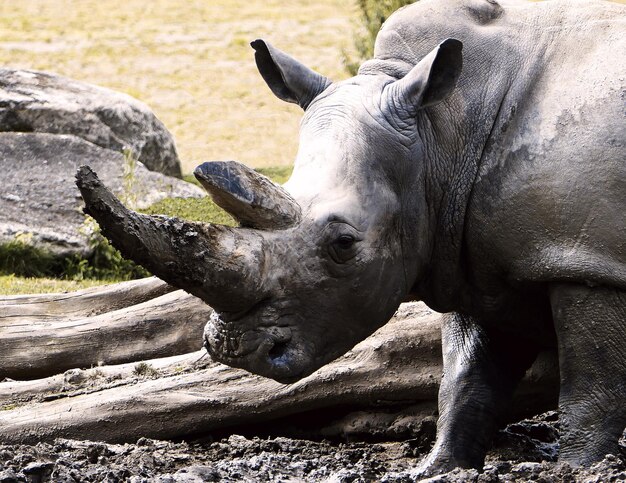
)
(87, 302)
(76, 381)
(32, 347)
(399, 364)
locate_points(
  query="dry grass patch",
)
(190, 61)
(12, 285)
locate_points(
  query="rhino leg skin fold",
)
(476, 163)
(592, 418)
(483, 367)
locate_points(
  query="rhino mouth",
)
(250, 340)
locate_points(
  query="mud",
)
(524, 451)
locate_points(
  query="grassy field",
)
(190, 61)
(12, 285)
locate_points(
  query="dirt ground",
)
(524, 451)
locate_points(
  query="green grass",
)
(105, 262)
(193, 209)
(14, 285)
(278, 174)
(21, 258)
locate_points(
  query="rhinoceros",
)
(477, 163)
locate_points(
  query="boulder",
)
(32, 101)
(38, 195)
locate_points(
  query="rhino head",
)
(319, 264)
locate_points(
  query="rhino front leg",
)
(481, 370)
(591, 332)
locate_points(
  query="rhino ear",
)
(288, 79)
(432, 79)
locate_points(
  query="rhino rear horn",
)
(251, 198)
(288, 79)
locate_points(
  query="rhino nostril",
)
(279, 337)
(278, 350)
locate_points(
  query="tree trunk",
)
(398, 365)
(46, 335)
(79, 381)
(88, 302)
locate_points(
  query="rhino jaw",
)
(267, 350)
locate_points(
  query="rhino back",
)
(550, 196)
(547, 200)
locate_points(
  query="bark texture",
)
(90, 301)
(45, 335)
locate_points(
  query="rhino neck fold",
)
(216, 263)
(450, 176)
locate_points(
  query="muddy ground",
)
(524, 451)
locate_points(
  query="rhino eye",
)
(345, 241)
(342, 248)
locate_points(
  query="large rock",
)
(38, 195)
(33, 101)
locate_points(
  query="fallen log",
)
(37, 346)
(79, 381)
(398, 365)
(81, 303)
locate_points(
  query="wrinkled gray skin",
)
(484, 175)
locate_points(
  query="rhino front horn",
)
(251, 198)
(219, 264)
